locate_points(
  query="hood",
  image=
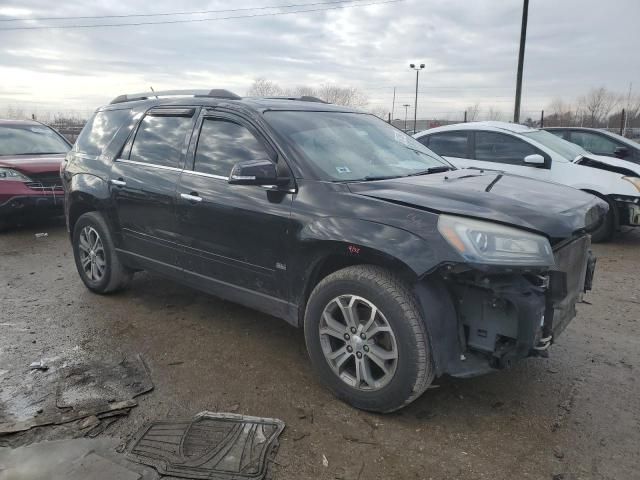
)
(611, 164)
(548, 208)
(33, 164)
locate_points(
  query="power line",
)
(166, 22)
(165, 14)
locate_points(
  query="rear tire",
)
(96, 258)
(394, 364)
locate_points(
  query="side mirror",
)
(621, 152)
(535, 160)
(256, 172)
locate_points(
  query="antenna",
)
(151, 87)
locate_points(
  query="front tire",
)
(366, 339)
(96, 258)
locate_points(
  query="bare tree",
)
(597, 104)
(473, 111)
(347, 96)
(494, 114)
(264, 88)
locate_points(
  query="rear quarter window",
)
(100, 130)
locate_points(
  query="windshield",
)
(30, 140)
(566, 149)
(354, 146)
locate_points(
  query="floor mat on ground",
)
(213, 446)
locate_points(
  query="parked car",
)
(30, 157)
(541, 155)
(399, 267)
(600, 142)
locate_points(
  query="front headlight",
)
(634, 180)
(486, 242)
(9, 174)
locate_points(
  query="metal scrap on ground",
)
(213, 446)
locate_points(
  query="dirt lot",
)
(575, 415)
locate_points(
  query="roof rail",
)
(214, 93)
(303, 98)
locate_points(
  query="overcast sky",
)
(470, 49)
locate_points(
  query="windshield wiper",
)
(438, 169)
(380, 177)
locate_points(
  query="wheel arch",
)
(87, 193)
(331, 244)
(610, 202)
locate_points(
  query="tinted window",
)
(160, 140)
(594, 143)
(222, 144)
(449, 144)
(30, 140)
(100, 130)
(497, 147)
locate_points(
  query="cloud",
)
(470, 49)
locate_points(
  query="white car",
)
(534, 153)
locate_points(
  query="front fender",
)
(356, 241)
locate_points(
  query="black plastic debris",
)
(213, 446)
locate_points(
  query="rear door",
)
(143, 186)
(234, 235)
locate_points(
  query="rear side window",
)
(160, 140)
(594, 142)
(222, 144)
(100, 130)
(501, 148)
(449, 144)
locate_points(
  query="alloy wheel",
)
(358, 342)
(92, 254)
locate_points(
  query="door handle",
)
(118, 183)
(190, 197)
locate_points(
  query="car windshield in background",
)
(30, 140)
(568, 150)
(354, 146)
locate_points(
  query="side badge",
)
(281, 266)
(353, 249)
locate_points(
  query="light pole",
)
(406, 109)
(415, 113)
(523, 39)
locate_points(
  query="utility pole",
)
(623, 121)
(523, 39)
(415, 112)
(542, 119)
(465, 116)
(393, 105)
(406, 110)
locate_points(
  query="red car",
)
(30, 158)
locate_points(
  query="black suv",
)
(399, 267)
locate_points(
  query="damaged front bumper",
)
(503, 316)
(628, 210)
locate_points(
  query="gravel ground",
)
(575, 415)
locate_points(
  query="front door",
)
(235, 236)
(501, 151)
(143, 186)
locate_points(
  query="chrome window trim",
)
(144, 164)
(209, 175)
